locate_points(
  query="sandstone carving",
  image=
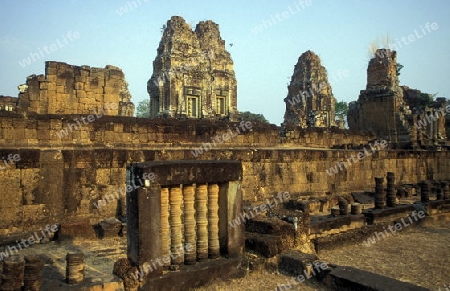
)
(310, 101)
(394, 112)
(193, 73)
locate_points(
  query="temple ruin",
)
(394, 112)
(125, 203)
(193, 74)
(67, 89)
(310, 101)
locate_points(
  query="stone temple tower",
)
(193, 75)
(380, 107)
(310, 101)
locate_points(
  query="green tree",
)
(143, 109)
(341, 109)
(399, 68)
(247, 115)
(426, 99)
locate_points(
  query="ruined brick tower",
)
(68, 89)
(381, 107)
(310, 101)
(396, 113)
(193, 74)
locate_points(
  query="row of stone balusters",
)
(190, 217)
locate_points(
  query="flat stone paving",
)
(418, 255)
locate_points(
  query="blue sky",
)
(338, 31)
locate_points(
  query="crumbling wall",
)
(310, 101)
(67, 131)
(67, 89)
(193, 73)
(51, 186)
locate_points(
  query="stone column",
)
(213, 221)
(176, 225)
(13, 271)
(74, 268)
(165, 226)
(380, 200)
(190, 256)
(343, 206)
(390, 195)
(144, 227)
(33, 273)
(201, 207)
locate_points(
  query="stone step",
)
(349, 278)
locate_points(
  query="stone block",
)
(81, 94)
(265, 244)
(349, 278)
(76, 229)
(102, 176)
(109, 228)
(294, 262)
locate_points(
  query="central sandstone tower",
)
(193, 74)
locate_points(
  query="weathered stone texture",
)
(71, 181)
(395, 112)
(380, 108)
(382, 71)
(193, 73)
(310, 101)
(114, 131)
(67, 89)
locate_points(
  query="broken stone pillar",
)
(13, 273)
(424, 191)
(390, 192)
(74, 268)
(32, 280)
(343, 206)
(380, 197)
(356, 208)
